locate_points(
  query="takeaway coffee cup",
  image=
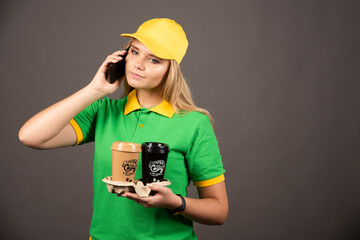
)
(154, 156)
(125, 156)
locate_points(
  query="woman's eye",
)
(153, 60)
(134, 52)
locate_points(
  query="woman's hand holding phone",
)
(59, 132)
(101, 80)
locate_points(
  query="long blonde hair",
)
(174, 90)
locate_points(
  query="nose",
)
(139, 65)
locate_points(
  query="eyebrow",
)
(148, 54)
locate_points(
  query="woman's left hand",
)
(163, 198)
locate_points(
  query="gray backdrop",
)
(281, 79)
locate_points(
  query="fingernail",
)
(150, 185)
(120, 58)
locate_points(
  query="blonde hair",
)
(174, 90)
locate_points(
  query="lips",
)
(134, 75)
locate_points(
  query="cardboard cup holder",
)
(137, 186)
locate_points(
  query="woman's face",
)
(143, 69)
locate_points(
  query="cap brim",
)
(150, 44)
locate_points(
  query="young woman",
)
(157, 108)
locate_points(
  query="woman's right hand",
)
(50, 128)
(101, 82)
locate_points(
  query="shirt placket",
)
(141, 125)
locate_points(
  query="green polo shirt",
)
(194, 156)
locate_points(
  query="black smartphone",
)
(117, 70)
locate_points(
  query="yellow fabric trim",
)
(78, 131)
(210, 182)
(132, 103)
(164, 108)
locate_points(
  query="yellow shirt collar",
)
(133, 104)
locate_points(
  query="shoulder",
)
(194, 116)
(107, 102)
(193, 121)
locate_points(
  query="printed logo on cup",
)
(156, 167)
(129, 167)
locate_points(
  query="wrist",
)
(94, 92)
(180, 208)
(175, 203)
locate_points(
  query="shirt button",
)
(141, 125)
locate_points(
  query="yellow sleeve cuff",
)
(210, 182)
(79, 135)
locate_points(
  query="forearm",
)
(48, 123)
(211, 208)
(206, 211)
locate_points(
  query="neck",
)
(148, 98)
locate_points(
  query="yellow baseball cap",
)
(163, 37)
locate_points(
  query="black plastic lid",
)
(155, 147)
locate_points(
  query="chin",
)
(132, 83)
